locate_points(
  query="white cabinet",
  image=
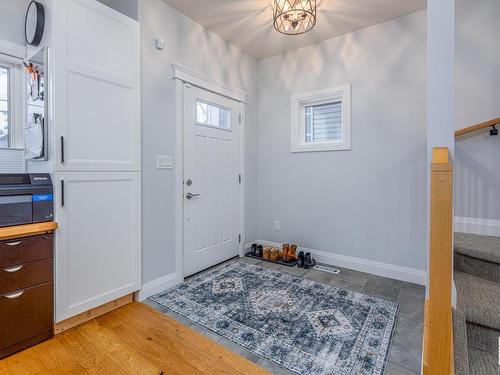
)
(99, 239)
(96, 88)
(96, 114)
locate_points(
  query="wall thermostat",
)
(159, 43)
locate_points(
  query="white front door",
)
(212, 167)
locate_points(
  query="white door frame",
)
(183, 76)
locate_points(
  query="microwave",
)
(25, 198)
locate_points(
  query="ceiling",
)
(248, 23)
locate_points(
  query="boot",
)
(308, 261)
(253, 249)
(285, 252)
(292, 253)
(301, 259)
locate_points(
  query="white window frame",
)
(298, 119)
(17, 98)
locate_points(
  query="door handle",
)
(62, 149)
(62, 193)
(189, 195)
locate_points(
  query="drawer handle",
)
(15, 295)
(13, 269)
(13, 243)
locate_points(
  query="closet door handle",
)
(62, 193)
(14, 295)
(13, 243)
(62, 149)
(13, 269)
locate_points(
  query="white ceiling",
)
(248, 23)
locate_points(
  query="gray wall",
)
(369, 202)
(12, 20)
(477, 98)
(193, 46)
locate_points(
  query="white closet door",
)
(98, 242)
(97, 88)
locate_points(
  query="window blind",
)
(209, 114)
(4, 107)
(324, 122)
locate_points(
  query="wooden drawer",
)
(23, 250)
(26, 275)
(26, 318)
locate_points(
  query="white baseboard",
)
(411, 275)
(156, 286)
(473, 225)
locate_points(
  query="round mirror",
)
(34, 23)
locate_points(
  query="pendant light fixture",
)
(293, 17)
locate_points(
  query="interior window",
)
(4, 107)
(213, 115)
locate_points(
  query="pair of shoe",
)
(305, 260)
(289, 252)
(257, 250)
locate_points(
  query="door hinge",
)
(240, 118)
(239, 238)
(239, 178)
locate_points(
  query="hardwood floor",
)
(134, 339)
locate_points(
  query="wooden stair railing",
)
(438, 324)
(488, 124)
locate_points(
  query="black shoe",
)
(253, 250)
(308, 261)
(300, 258)
(260, 251)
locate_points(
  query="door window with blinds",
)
(321, 120)
(212, 115)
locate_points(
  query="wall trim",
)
(156, 286)
(195, 78)
(411, 275)
(474, 225)
(11, 49)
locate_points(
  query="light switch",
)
(164, 162)
(277, 226)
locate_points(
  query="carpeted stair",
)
(477, 318)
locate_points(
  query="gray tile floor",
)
(406, 349)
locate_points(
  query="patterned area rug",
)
(303, 326)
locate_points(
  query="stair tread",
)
(478, 246)
(478, 300)
(482, 363)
